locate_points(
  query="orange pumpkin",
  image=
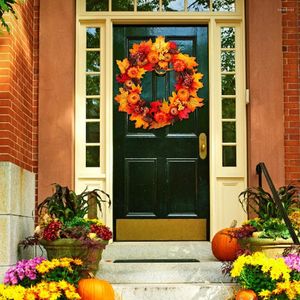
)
(95, 289)
(224, 245)
(246, 295)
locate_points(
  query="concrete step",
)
(206, 269)
(164, 280)
(174, 291)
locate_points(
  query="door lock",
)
(202, 145)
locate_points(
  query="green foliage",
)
(65, 205)
(274, 228)
(253, 278)
(6, 6)
(77, 221)
(60, 273)
(263, 203)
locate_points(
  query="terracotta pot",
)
(90, 255)
(272, 248)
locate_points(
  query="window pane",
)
(93, 37)
(228, 108)
(122, 5)
(93, 132)
(229, 156)
(227, 37)
(96, 5)
(227, 61)
(148, 5)
(92, 61)
(223, 5)
(92, 84)
(173, 5)
(92, 156)
(228, 132)
(93, 108)
(228, 84)
(198, 5)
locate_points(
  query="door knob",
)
(202, 145)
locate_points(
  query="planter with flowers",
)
(262, 277)
(59, 279)
(64, 231)
(268, 232)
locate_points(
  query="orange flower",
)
(152, 57)
(183, 94)
(179, 65)
(168, 56)
(161, 117)
(132, 72)
(133, 98)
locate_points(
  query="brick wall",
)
(291, 80)
(19, 88)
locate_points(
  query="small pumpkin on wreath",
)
(159, 56)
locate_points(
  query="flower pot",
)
(90, 254)
(272, 248)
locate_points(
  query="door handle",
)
(202, 145)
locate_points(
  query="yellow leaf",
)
(141, 72)
(136, 88)
(139, 122)
(122, 99)
(173, 98)
(165, 107)
(189, 61)
(194, 103)
(123, 65)
(160, 45)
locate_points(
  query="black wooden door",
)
(160, 184)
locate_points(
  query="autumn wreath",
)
(159, 56)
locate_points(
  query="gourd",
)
(224, 245)
(95, 289)
(246, 295)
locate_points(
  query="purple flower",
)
(293, 261)
(22, 270)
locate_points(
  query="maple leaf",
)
(160, 44)
(173, 98)
(136, 88)
(123, 65)
(122, 99)
(165, 107)
(184, 114)
(194, 103)
(139, 121)
(141, 72)
(189, 61)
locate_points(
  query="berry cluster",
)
(102, 231)
(52, 230)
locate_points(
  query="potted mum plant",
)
(64, 231)
(268, 231)
(262, 277)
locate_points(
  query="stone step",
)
(162, 272)
(174, 291)
(206, 270)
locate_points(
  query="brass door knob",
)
(202, 145)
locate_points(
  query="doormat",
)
(161, 260)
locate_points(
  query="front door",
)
(160, 182)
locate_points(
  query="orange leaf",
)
(139, 121)
(123, 65)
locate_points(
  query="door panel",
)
(158, 175)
